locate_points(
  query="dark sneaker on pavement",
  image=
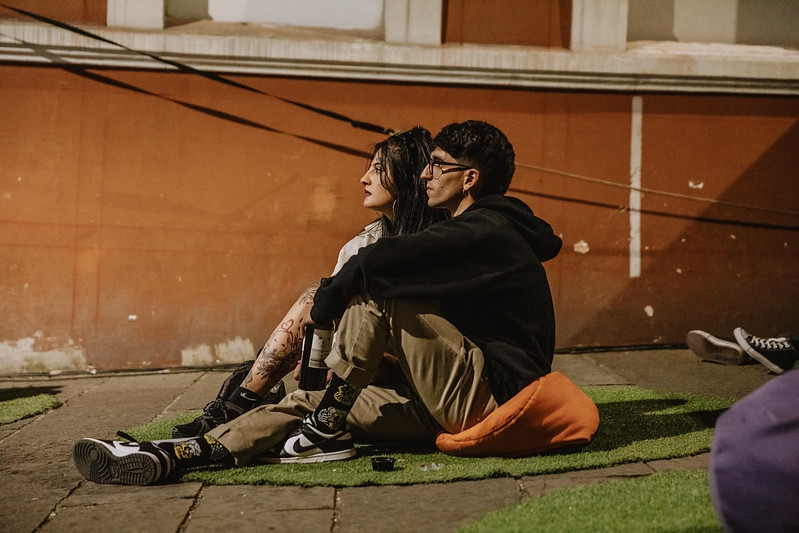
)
(218, 412)
(215, 413)
(309, 444)
(121, 463)
(711, 348)
(776, 353)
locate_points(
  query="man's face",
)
(445, 179)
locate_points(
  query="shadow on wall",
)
(185, 11)
(749, 22)
(728, 267)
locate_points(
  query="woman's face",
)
(375, 196)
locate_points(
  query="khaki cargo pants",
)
(446, 390)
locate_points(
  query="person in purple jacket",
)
(754, 460)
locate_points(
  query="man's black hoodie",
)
(484, 268)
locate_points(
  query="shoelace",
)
(778, 343)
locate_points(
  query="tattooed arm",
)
(281, 353)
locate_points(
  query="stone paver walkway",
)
(42, 491)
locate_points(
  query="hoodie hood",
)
(537, 232)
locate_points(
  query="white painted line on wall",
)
(635, 187)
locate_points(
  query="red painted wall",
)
(203, 210)
(73, 11)
(544, 23)
(708, 265)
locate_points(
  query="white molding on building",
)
(599, 25)
(599, 63)
(413, 21)
(408, 21)
(141, 14)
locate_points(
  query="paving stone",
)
(41, 487)
(36, 470)
(585, 371)
(202, 390)
(263, 508)
(535, 486)
(431, 507)
(88, 494)
(682, 371)
(25, 504)
(695, 462)
(104, 508)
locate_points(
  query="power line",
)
(381, 129)
(656, 191)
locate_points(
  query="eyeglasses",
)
(439, 164)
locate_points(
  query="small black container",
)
(383, 464)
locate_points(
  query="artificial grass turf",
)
(17, 408)
(636, 425)
(669, 501)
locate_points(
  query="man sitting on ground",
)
(464, 306)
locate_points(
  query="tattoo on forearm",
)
(279, 355)
(308, 294)
(282, 351)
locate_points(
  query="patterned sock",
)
(335, 405)
(199, 451)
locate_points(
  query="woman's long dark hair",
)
(405, 155)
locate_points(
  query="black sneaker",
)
(711, 348)
(218, 412)
(309, 444)
(776, 353)
(214, 414)
(275, 394)
(121, 463)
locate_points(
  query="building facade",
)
(174, 173)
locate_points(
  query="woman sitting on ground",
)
(393, 189)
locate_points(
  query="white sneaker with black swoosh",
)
(308, 444)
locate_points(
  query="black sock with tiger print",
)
(336, 404)
(198, 451)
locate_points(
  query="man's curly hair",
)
(483, 146)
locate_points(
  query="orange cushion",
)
(549, 413)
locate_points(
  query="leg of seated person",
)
(445, 369)
(382, 414)
(258, 431)
(391, 414)
(263, 382)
